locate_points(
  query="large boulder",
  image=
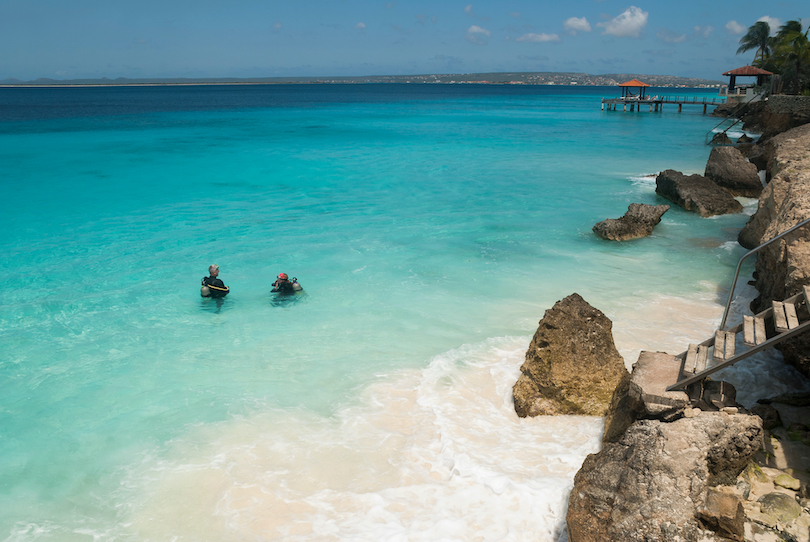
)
(696, 193)
(638, 221)
(728, 168)
(653, 484)
(572, 365)
(783, 267)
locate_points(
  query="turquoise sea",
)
(430, 225)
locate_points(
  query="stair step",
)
(695, 358)
(723, 345)
(807, 296)
(779, 317)
(790, 312)
(753, 330)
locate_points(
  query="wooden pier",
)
(656, 103)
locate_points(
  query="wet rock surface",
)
(637, 222)
(696, 193)
(729, 169)
(572, 365)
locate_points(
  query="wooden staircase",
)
(782, 320)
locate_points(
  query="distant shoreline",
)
(516, 79)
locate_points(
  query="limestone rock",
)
(728, 168)
(769, 415)
(723, 513)
(696, 193)
(651, 484)
(721, 139)
(783, 508)
(783, 267)
(638, 221)
(572, 365)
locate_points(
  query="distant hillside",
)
(516, 78)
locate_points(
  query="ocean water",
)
(430, 226)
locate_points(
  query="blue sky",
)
(272, 38)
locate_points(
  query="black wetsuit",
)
(283, 286)
(219, 289)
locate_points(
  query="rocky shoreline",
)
(692, 465)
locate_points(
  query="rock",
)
(638, 221)
(728, 168)
(572, 365)
(744, 488)
(788, 482)
(783, 267)
(696, 193)
(721, 139)
(753, 473)
(769, 415)
(650, 484)
(723, 513)
(783, 508)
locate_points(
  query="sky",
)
(72, 39)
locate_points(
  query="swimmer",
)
(212, 286)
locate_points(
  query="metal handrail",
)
(739, 265)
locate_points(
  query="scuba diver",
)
(212, 286)
(283, 285)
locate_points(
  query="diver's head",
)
(213, 270)
(282, 276)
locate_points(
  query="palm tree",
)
(758, 37)
(794, 50)
(787, 28)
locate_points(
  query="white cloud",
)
(703, 31)
(627, 25)
(360, 26)
(574, 25)
(476, 35)
(515, 14)
(670, 36)
(773, 22)
(277, 26)
(734, 27)
(469, 10)
(538, 37)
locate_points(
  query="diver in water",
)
(212, 286)
(283, 285)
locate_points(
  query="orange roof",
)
(748, 70)
(633, 83)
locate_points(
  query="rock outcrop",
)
(696, 193)
(783, 267)
(654, 483)
(637, 222)
(729, 169)
(572, 365)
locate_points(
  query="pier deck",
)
(656, 103)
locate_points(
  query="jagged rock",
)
(783, 267)
(723, 513)
(696, 193)
(721, 139)
(729, 169)
(769, 415)
(638, 221)
(783, 508)
(572, 365)
(651, 483)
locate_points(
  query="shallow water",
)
(431, 227)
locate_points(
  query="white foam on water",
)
(431, 454)
(436, 454)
